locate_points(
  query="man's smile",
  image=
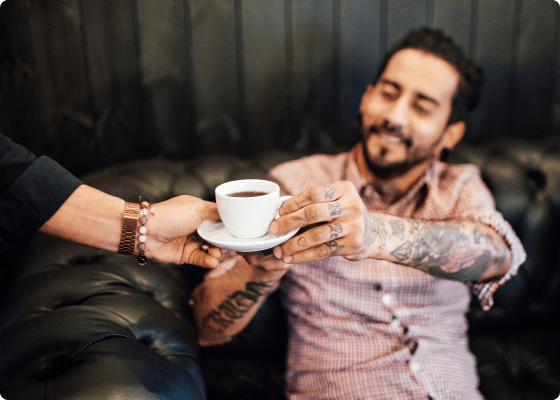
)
(390, 134)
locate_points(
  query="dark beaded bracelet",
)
(142, 259)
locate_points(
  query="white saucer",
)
(215, 233)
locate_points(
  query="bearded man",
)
(378, 281)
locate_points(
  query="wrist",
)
(134, 233)
(145, 231)
(129, 228)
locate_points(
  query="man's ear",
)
(453, 135)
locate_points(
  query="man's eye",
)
(421, 109)
(389, 95)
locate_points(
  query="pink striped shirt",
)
(378, 330)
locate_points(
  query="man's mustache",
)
(391, 129)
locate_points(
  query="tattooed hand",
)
(346, 228)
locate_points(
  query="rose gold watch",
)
(130, 222)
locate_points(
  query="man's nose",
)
(397, 113)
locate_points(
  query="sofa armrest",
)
(85, 323)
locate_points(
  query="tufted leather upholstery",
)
(82, 323)
(79, 321)
(516, 342)
(525, 181)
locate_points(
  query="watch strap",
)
(130, 223)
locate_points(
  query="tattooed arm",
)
(453, 250)
(458, 250)
(224, 304)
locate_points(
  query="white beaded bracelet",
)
(145, 208)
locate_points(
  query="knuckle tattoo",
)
(336, 231)
(334, 247)
(330, 192)
(335, 209)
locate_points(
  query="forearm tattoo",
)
(237, 305)
(374, 229)
(450, 250)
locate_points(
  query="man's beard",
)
(392, 170)
(395, 169)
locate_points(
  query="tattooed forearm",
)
(397, 228)
(237, 304)
(450, 250)
(374, 229)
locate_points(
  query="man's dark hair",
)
(435, 42)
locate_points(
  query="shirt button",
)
(387, 299)
(414, 366)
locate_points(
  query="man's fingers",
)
(311, 238)
(311, 214)
(317, 194)
(329, 249)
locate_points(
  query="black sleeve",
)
(14, 159)
(31, 191)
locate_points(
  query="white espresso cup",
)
(245, 214)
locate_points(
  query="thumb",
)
(210, 211)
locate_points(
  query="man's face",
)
(404, 116)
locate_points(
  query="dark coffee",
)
(247, 194)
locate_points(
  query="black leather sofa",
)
(82, 323)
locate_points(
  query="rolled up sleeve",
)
(476, 203)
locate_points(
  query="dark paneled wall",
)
(91, 82)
